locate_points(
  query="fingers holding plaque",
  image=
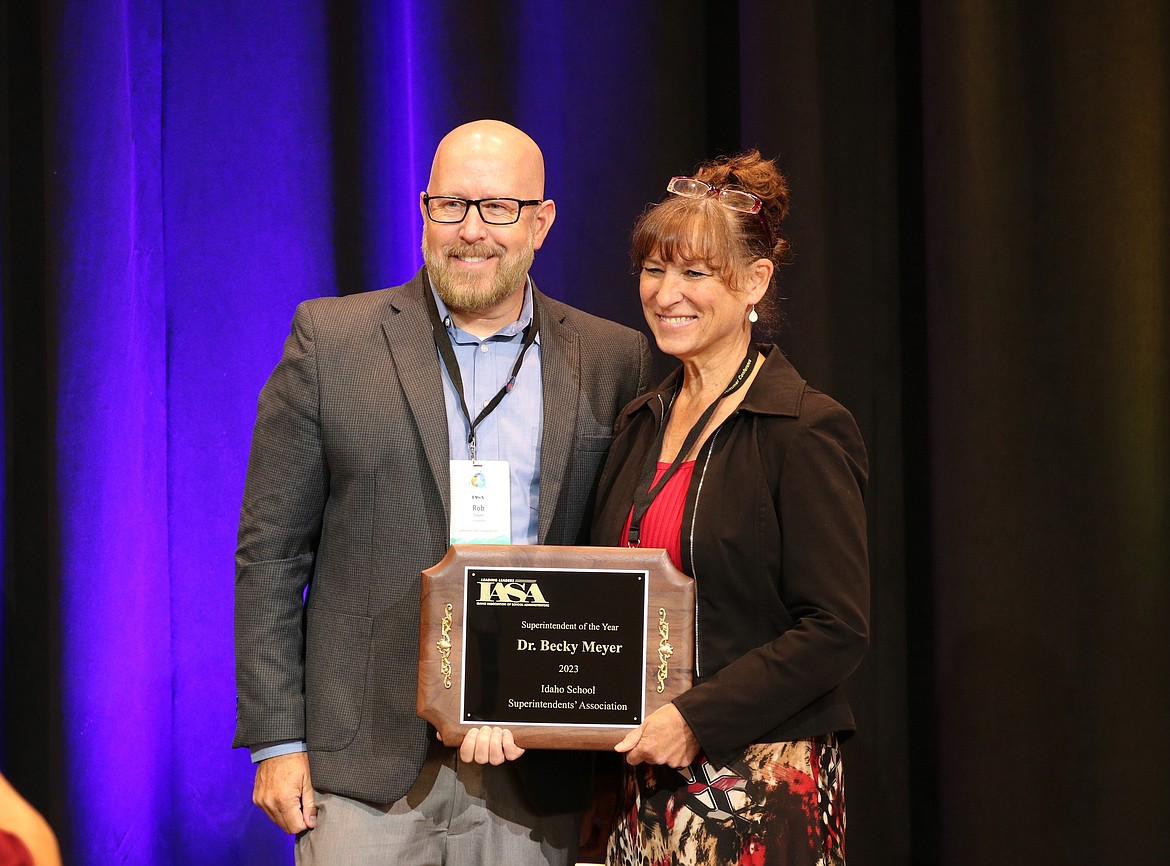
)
(568, 647)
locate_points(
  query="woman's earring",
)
(753, 316)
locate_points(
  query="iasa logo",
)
(510, 592)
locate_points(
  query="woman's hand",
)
(664, 738)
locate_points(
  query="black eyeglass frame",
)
(521, 203)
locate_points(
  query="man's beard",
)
(474, 292)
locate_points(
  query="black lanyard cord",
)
(645, 493)
(447, 353)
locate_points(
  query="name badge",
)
(481, 502)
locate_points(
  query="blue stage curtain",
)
(106, 255)
(190, 209)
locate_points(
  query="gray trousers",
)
(455, 814)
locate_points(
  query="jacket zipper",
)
(691, 544)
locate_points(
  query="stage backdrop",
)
(980, 225)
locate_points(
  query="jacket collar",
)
(777, 389)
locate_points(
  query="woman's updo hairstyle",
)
(703, 230)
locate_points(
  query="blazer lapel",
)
(412, 345)
(560, 366)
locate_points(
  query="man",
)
(377, 400)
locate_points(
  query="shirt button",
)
(483, 347)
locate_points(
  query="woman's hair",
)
(703, 230)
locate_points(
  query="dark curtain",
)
(981, 233)
(1046, 174)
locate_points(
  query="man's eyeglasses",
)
(732, 199)
(493, 211)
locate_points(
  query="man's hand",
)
(488, 745)
(285, 792)
(664, 738)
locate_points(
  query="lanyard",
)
(645, 494)
(443, 344)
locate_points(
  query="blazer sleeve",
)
(645, 367)
(280, 525)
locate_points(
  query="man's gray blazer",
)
(347, 494)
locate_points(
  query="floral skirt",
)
(776, 804)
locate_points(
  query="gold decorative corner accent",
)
(665, 650)
(444, 646)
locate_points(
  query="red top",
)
(13, 851)
(662, 522)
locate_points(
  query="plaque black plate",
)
(548, 646)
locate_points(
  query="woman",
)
(753, 483)
(26, 839)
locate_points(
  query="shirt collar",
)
(509, 330)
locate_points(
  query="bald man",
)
(377, 400)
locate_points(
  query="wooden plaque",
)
(568, 647)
